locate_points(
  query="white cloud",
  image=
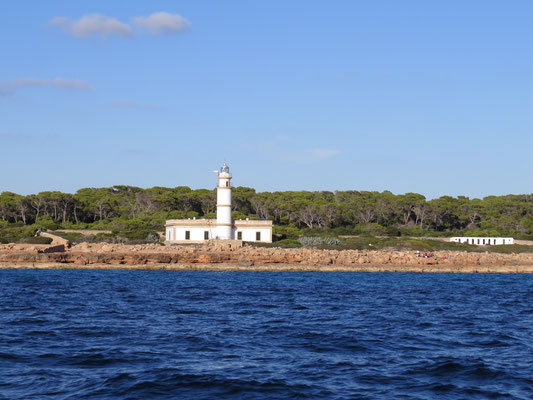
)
(7, 87)
(15, 137)
(162, 23)
(322, 154)
(23, 137)
(64, 83)
(101, 25)
(92, 24)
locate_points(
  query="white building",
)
(482, 241)
(221, 228)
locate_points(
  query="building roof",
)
(481, 237)
(192, 222)
(249, 223)
(204, 222)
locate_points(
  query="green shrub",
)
(36, 240)
(103, 237)
(415, 244)
(152, 237)
(374, 229)
(14, 232)
(73, 237)
(101, 224)
(285, 232)
(288, 243)
(341, 230)
(509, 248)
(485, 233)
(73, 225)
(284, 243)
(317, 240)
(415, 231)
(236, 215)
(392, 231)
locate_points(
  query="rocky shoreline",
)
(231, 256)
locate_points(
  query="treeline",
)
(340, 212)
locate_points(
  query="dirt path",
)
(56, 240)
(85, 232)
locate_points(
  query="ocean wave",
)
(166, 335)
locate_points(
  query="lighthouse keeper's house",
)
(221, 228)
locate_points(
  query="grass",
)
(13, 234)
(76, 237)
(71, 236)
(285, 244)
(368, 242)
(362, 242)
(508, 248)
(36, 240)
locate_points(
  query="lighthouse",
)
(201, 230)
(224, 220)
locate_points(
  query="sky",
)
(432, 97)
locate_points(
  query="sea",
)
(132, 334)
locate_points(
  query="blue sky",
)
(429, 97)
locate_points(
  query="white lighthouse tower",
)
(223, 228)
(224, 220)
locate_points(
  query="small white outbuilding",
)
(221, 228)
(483, 241)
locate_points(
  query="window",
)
(478, 241)
(206, 235)
(239, 235)
(258, 236)
(187, 235)
(227, 183)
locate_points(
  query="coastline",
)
(499, 269)
(229, 257)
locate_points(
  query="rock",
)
(228, 253)
(53, 249)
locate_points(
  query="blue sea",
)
(119, 334)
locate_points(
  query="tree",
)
(407, 204)
(310, 216)
(23, 207)
(330, 213)
(8, 206)
(421, 212)
(260, 206)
